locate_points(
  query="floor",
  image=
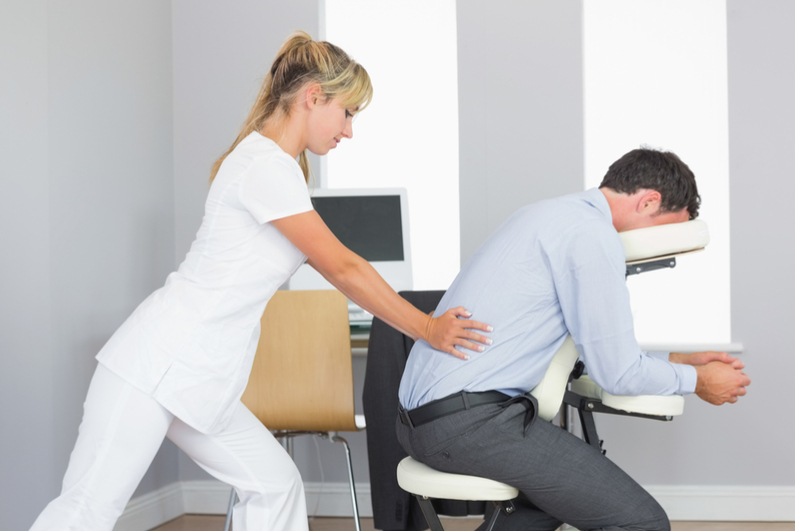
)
(192, 522)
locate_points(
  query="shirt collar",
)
(597, 199)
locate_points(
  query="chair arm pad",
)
(669, 405)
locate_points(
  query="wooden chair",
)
(302, 379)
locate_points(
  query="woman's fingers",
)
(463, 329)
(454, 335)
(474, 336)
(470, 345)
(457, 353)
(459, 312)
(466, 332)
(462, 321)
(468, 339)
(463, 312)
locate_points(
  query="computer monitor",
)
(373, 223)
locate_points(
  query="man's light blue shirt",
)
(554, 268)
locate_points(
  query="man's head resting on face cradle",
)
(647, 187)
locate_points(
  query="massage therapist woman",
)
(179, 364)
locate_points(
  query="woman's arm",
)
(360, 282)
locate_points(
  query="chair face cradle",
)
(564, 383)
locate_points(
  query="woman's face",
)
(328, 124)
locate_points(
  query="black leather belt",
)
(449, 405)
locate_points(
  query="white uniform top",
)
(191, 344)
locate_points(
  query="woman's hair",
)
(300, 62)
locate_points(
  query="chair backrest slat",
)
(302, 377)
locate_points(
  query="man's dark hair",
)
(661, 171)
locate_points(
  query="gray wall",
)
(26, 375)
(222, 52)
(156, 98)
(87, 206)
(762, 133)
(520, 109)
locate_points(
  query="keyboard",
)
(358, 316)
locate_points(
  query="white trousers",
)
(121, 431)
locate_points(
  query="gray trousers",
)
(560, 477)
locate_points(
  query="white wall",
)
(88, 218)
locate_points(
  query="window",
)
(655, 73)
(408, 136)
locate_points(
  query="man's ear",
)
(648, 202)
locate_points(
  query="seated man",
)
(552, 269)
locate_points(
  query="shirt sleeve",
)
(591, 286)
(274, 188)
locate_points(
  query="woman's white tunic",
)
(191, 344)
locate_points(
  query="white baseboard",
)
(152, 509)
(334, 499)
(322, 499)
(683, 503)
(727, 504)
(206, 497)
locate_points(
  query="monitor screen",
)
(368, 225)
(371, 222)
